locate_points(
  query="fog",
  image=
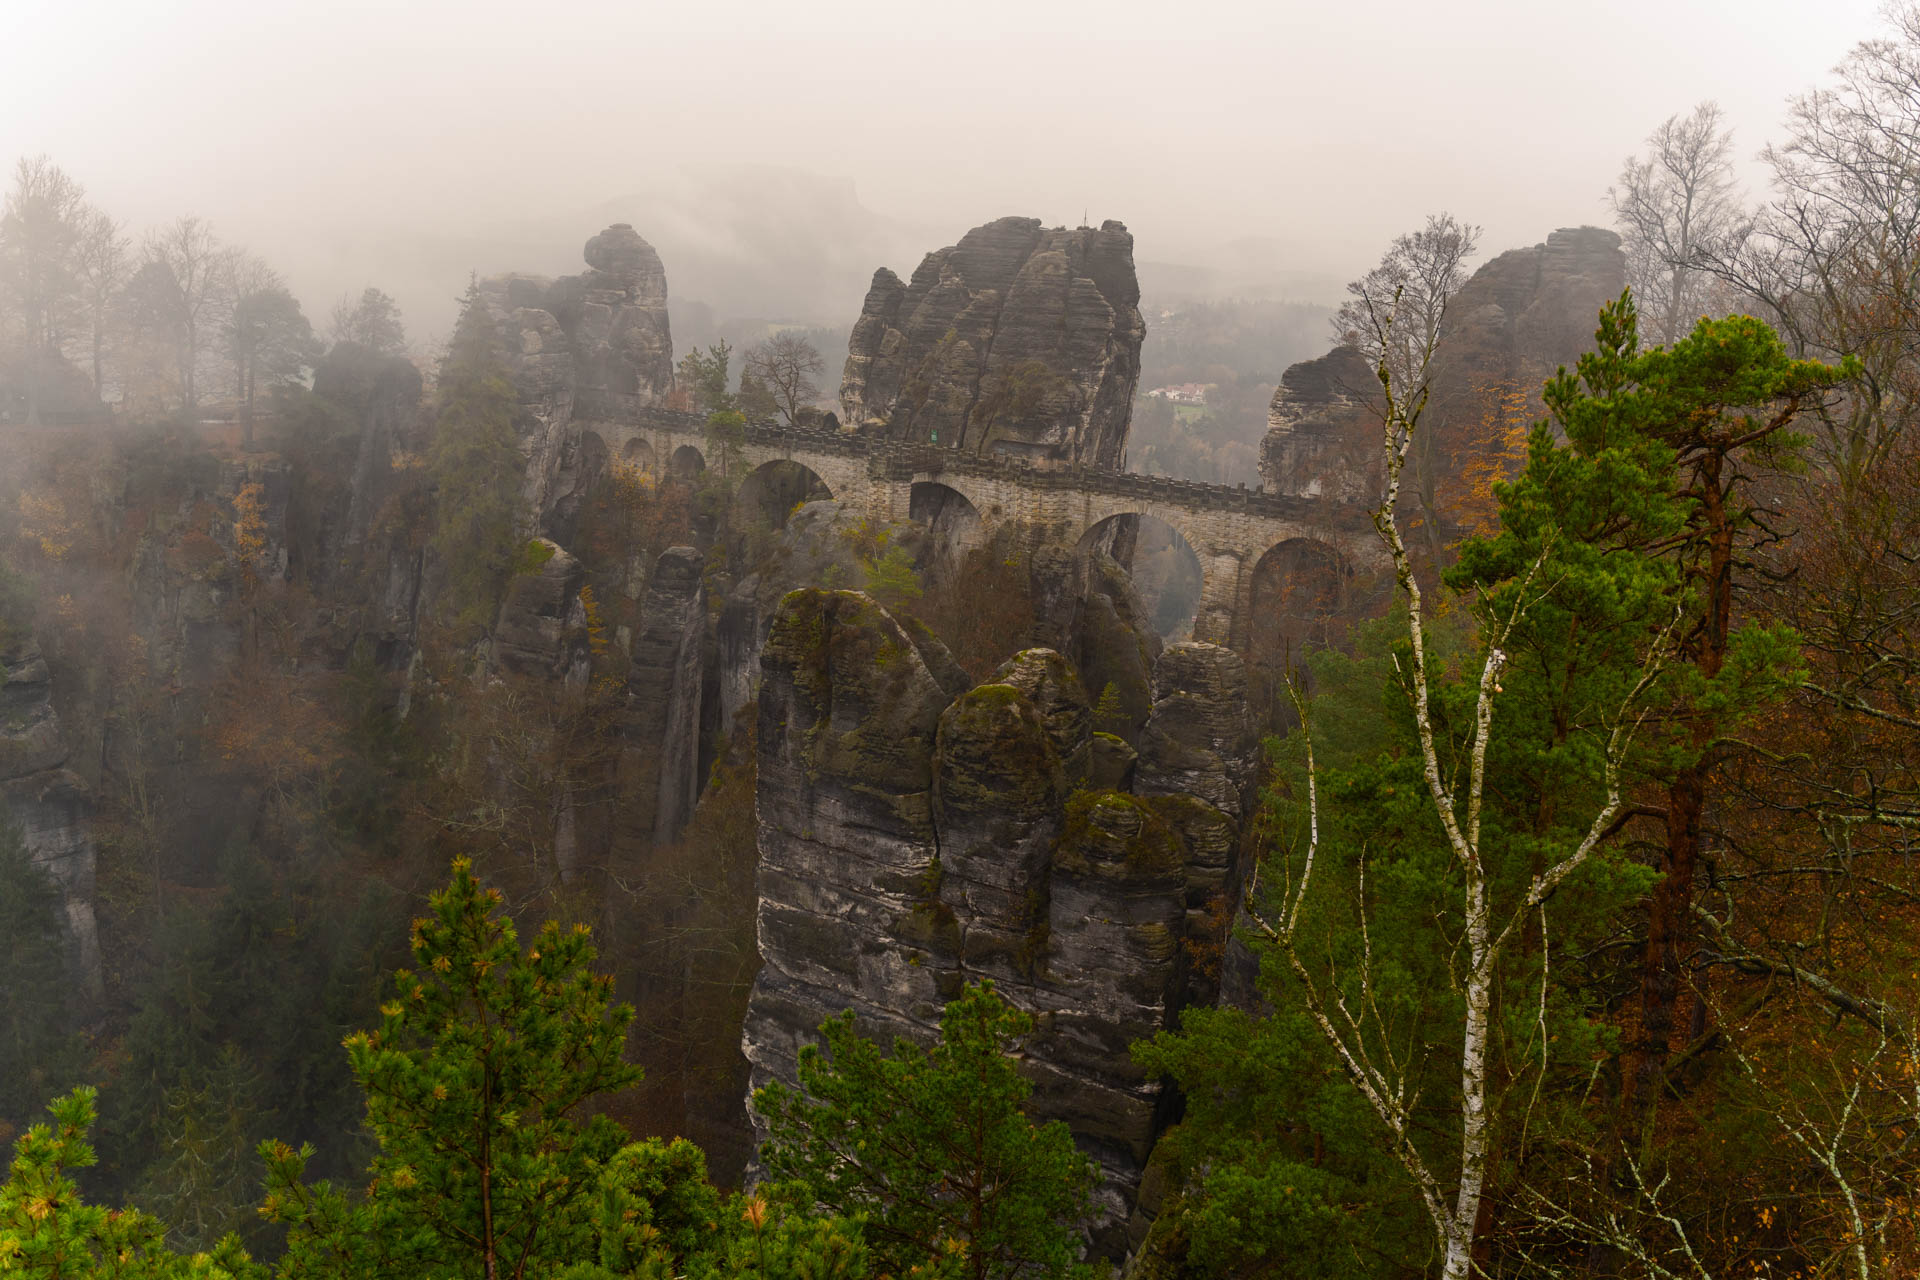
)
(776, 153)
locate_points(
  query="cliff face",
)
(1018, 339)
(1514, 321)
(1320, 426)
(43, 798)
(916, 834)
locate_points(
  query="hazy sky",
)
(403, 142)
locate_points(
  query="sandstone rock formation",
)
(916, 834)
(382, 393)
(542, 628)
(1321, 428)
(587, 348)
(659, 777)
(1019, 340)
(44, 799)
(1515, 320)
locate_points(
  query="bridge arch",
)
(686, 462)
(771, 491)
(1299, 599)
(949, 515)
(1166, 567)
(638, 452)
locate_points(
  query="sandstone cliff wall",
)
(916, 834)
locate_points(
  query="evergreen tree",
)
(477, 468)
(891, 578)
(205, 1183)
(38, 1052)
(476, 1081)
(931, 1147)
(706, 378)
(48, 1232)
(1642, 519)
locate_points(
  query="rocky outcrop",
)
(1019, 339)
(659, 776)
(1526, 313)
(542, 628)
(589, 348)
(1319, 427)
(47, 802)
(916, 834)
(1515, 320)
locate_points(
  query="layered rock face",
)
(1318, 426)
(44, 799)
(585, 348)
(1527, 312)
(1019, 339)
(1513, 322)
(916, 834)
(666, 685)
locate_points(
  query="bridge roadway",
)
(1230, 528)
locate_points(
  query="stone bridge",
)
(1232, 530)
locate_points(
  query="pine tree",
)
(476, 1081)
(47, 1231)
(891, 578)
(477, 468)
(931, 1146)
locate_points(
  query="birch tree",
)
(1450, 1173)
(1393, 317)
(1588, 630)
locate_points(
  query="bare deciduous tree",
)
(102, 266)
(1832, 259)
(1676, 207)
(1393, 318)
(372, 320)
(197, 266)
(40, 228)
(787, 364)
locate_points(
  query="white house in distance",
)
(1183, 393)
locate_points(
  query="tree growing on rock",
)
(270, 341)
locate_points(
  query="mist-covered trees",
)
(271, 343)
(372, 320)
(43, 226)
(476, 467)
(786, 367)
